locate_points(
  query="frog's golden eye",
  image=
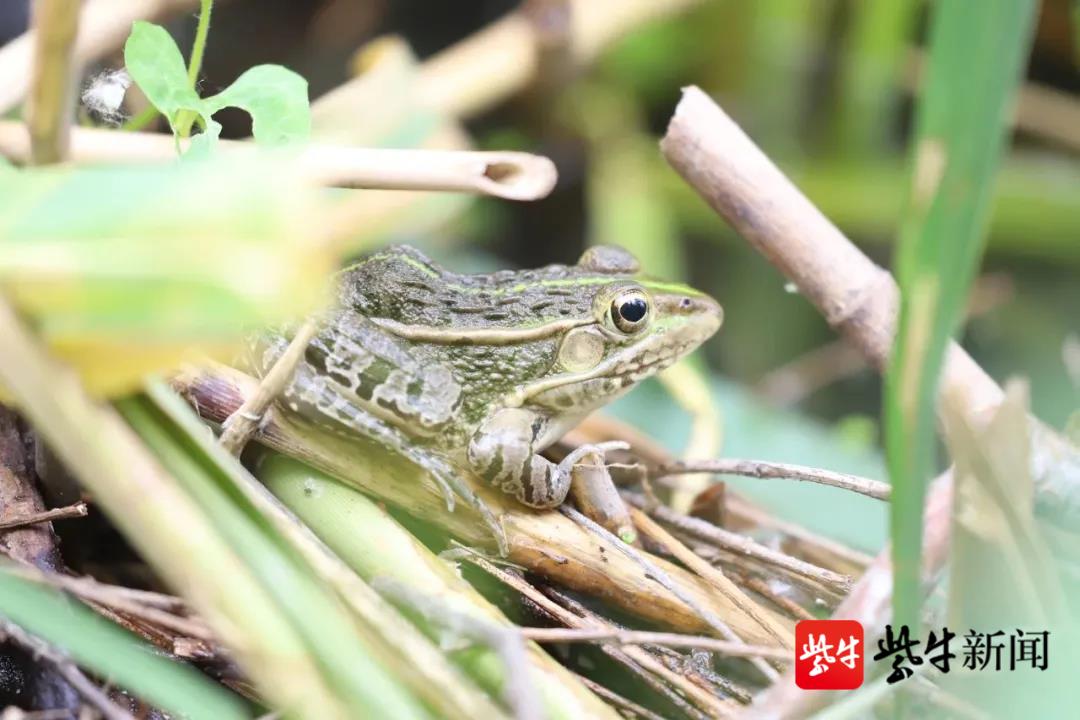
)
(630, 311)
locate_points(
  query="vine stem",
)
(187, 118)
(198, 48)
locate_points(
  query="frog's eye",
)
(630, 311)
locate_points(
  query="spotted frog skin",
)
(481, 373)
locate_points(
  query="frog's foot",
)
(566, 466)
(454, 486)
(493, 523)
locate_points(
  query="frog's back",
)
(404, 285)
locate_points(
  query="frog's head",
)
(634, 327)
(562, 339)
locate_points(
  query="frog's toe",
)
(496, 527)
(449, 496)
(599, 449)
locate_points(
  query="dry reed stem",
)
(857, 298)
(49, 108)
(507, 175)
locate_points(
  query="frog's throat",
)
(481, 336)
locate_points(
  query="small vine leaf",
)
(155, 64)
(277, 100)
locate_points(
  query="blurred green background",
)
(825, 87)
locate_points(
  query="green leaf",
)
(277, 100)
(155, 64)
(114, 653)
(274, 96)
(974, 68)
(124, 270)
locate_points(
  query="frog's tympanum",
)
(482, 372)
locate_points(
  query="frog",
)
(477, 374)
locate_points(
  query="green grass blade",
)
(113, 653)
(396, 645)
(974, 68)
(358, 681)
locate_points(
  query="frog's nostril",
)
(685, 303)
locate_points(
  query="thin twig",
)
(503, 174)
(20, 496)
(646, 663)
(114, 598)
(642, 637)
(618, 700)
(598, 428)
(89, 691)
(242, 424)
(149, 598)
(787, 605)
(821, 594)
(634, 658)
(62, 513)
(714, 576)
(48, 114)
(772, 470)
(740, 544)
(659, 576)
(810, 543)
(697, 666)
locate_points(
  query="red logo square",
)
(829, 654)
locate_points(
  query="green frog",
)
(480, 373)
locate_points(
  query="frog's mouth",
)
(682, 324)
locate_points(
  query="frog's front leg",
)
(503, 451)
